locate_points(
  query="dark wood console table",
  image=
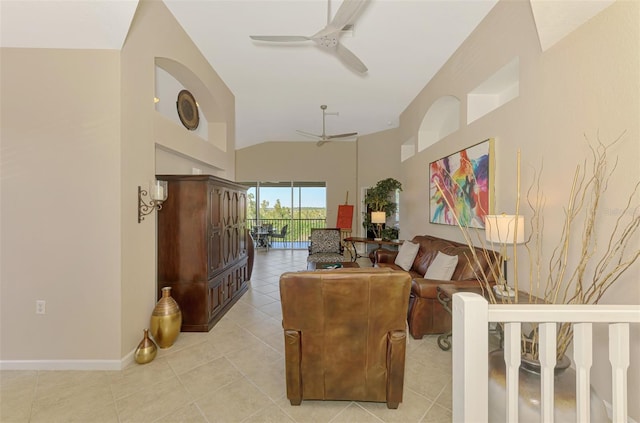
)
(380, 243)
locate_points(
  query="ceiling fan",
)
(324, 138)
(328, 37)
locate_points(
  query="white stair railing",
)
(471, 316)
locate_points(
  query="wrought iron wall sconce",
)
(158, 191)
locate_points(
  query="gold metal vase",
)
(166, 320)
(146, 350)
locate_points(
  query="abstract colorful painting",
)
(459, 186)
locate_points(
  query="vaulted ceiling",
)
(279, 87)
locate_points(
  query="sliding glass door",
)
(288, 210)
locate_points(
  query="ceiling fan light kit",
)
(328, 37)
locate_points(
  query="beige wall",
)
(333, 162)
(378, 159)
(344, 166)
(60, 203)
(155, 37)
(587, 84)
(79, 134)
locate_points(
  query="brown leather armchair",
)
(345, 334)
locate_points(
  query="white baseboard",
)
(67, 364)
(607, 406)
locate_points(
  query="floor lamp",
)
(504, 229)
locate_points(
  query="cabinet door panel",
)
(216, 297)
(233, 244)
(215, 202)
(214, 258)
(226, 207)
(234, 208)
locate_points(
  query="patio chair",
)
(282, 234)
(260, 235)
(326, 246)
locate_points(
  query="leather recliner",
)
(345, 334)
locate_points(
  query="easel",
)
(345, 219)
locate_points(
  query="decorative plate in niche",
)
(187, 110)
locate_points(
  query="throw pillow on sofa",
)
(442, 267)
(406, 255)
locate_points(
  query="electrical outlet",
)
(41, 306)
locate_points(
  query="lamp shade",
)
(501, 228)
(378, 217)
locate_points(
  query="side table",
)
(379, 243)
(444, 293)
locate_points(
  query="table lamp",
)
(378, 217)
(504, 229)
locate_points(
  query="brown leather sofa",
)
(426, 314)
(345, 334)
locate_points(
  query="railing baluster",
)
(583, 357)
(619, 358)
(466, 374)
(512, 356)
(548, 363)
(470, 375)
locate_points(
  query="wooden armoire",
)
(203, 253)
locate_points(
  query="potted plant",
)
(380, 198)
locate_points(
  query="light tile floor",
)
(234, 373)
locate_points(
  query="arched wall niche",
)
(442, 118)
(166, 90)
(210, 110)
(408, 149)
(497, 90)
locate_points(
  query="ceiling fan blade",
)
(324, 138)
(350, 59)
(349, 134)
(347, 13)
(308, 134)
(328, 37)
(280, 38)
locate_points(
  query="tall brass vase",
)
(166, 320)
(146, 350)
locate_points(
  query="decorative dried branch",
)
(574, 274)
(584, 276)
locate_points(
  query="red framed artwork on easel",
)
(345, 216)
